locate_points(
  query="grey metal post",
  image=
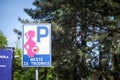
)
(56, 76)
(36, 73)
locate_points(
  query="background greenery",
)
(3, 40)
(85, 40)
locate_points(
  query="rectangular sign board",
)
(5, 64)
(36, 45)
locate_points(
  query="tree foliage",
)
(84, 36)
(3, 40)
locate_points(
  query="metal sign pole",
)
(36, 73)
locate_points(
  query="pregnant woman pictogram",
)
(30, 45)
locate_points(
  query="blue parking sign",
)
(36, 45)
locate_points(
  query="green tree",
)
(20, 73)
(3, 40)
(19, 35)
(79, 29)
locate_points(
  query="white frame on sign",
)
(45, 55)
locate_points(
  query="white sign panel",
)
(36, 45)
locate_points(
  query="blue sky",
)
(10, 10)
